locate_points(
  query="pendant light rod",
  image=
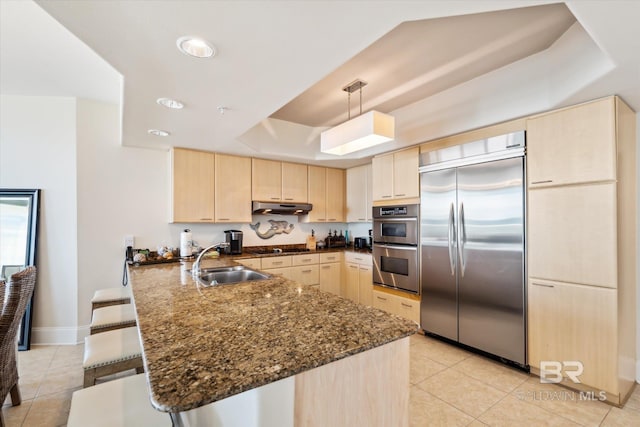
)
(355, 85)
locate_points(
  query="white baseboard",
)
(59, 335)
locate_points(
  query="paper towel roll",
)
(185, 243)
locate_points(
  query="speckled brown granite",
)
(201, 345)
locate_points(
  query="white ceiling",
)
(272, 53)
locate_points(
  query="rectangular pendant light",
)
(363, 131)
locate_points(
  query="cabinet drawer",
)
(276, 262)
(251, 262)
(357, 258)
(408, 308)
(330, 257)
(383, 301)
(305, 259)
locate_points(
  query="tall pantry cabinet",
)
(581, 178)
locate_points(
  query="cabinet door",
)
(266, 180)
(330, 277)
(335, 202)
(294, 182)
(572, 145)
(574, 323)
(317, 193)
(572, 234)
(383, 301)
(305, 274)
(350, 284)
(192, 176)
(232, 196)
(405, 173)
(382, 169)
(357, 186)
(365, 284)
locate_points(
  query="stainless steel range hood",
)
(268, 208)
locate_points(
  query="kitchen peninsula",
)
(320, 359)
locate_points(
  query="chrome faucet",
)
(195, 268)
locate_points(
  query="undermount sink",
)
(227, 275)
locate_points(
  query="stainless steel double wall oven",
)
(395, 247)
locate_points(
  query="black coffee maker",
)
(234, 241)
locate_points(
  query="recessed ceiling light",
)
(170, 103)
(158, 132)
(194, 46)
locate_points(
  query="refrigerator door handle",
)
(462, 235)
(451, 237)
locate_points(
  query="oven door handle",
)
(451, 236)
(404, 248)
(462, 236)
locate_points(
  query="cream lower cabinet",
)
(331, 272)
(254, 263)
(406, 307)
(574, 323)
(304, 269)
(358, 278)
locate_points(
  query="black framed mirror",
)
(18, 243)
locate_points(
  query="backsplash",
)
(207, 234)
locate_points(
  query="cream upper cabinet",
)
(405, 173)
(266, 180)
(317, 194)
(278, 181)
(572, 234)
(359, 196)
(232, 195)
(294, 182)
(192, 185)
(395, 175)
(326, 194)
(576, 144)
(382, 177)
(335, 203)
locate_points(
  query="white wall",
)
(37, 150)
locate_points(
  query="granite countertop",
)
(201, 345)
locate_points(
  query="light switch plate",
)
(129, 241)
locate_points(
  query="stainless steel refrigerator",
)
(472, 246)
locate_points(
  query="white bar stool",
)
(112, 317)
(111, 352)
(110, 296)
(121, 402)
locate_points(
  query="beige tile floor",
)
(449, 387)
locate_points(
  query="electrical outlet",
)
(129, 241)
